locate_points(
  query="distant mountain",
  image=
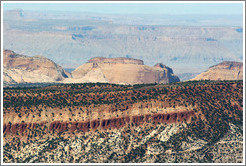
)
(223, 71)
(122, 71)
(71, 41)
(38, 69)
(187, 76)
(15, 14)
(132, 19)
(23, 69)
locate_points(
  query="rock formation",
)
(20, 68)
(227, 70)
(122, 71)
(75, 43)
(104, 124)
(116, 60)
(25, 69)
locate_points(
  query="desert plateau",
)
(123, 83)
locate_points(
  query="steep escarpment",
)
(227, 70)
(6, 78)
(124, 123)
(72, 42)
(122, 71)
(104, 106)
(20, 69)
(167, 75)
(24, 69)
(103, 124)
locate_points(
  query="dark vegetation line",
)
(70, 95)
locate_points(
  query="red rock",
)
(58, 126)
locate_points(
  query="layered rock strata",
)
(104, 124)
(24, 69)
(227, 70)
(122, 71)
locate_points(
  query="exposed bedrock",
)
(21, 127)
(113, 123)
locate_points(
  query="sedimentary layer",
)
(113, 123)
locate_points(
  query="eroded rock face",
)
(122, 71)
(21, 127)
(7, 79)
(167, 75)
(223, 71)
(113, 123)
(20, 68)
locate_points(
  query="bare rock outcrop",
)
(122, 71)
(167, 75)
(20, 68)
(227, 70)
(104, 124)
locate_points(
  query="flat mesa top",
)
(228, 65)
(116, 60)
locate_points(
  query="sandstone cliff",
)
(20, 68)
(227, 70)
(122, 71)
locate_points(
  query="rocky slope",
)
(122, 71)
(97, 122)
(154, 145)
(227, 70)
(176, 116)
(20, 68)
